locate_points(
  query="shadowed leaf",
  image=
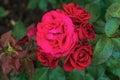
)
(5, 38)
(102, 51)
(29, 66)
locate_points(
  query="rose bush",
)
(77, 42)
(58, 37)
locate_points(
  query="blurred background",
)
(30, 11)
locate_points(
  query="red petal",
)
(31, 31)
(67, 65)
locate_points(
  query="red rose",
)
(79, 58)
(86, 31)
(76, 13)
(55, 34)
(47, 59)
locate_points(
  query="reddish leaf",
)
(5, 38)
(32, 55)
(3, 76)
(29, 66)
(24, 40)
(12, 41)
(6, 65)
(16, 64)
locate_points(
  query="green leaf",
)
(81, 3)
(57, 74)
(99, 26)
(96, 71)
(116, 72)
(22, 76)
(107, 16)
(116, 54)
(88, 77)
(114, 10)
(43, 5)
(104, 78)
(10, 49)
(40, 74)
(108, 2)
(117, 1)
(94, 10)
(19, 30)
(76, 75)
(32, 4)
(102, 51)
(111, 26)
(67, 1)
(52, 1)
(2, 12)
(113, 64)
(116, 42)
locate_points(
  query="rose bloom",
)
(76, 13)
(79, 58)
(86, 31)
(47, 59)
(55, 34)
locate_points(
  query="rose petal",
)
(67, 65)
(31, 31)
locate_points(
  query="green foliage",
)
(116, 54)
(43, 5)
(57, 74)
(40, 74)
(32, 4)
(106, 46)
(2, 12)
(91, 73)
(99, 27)
(116, 72)
(77, 75)
(111, 26)
(96, 71)
(89, 77)
(22, 76)
(102, 51)
(48, 74)
(114, 10)
(19, 30)
(52, 1)
(94, 10)
(113, 65)
(116, 42)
